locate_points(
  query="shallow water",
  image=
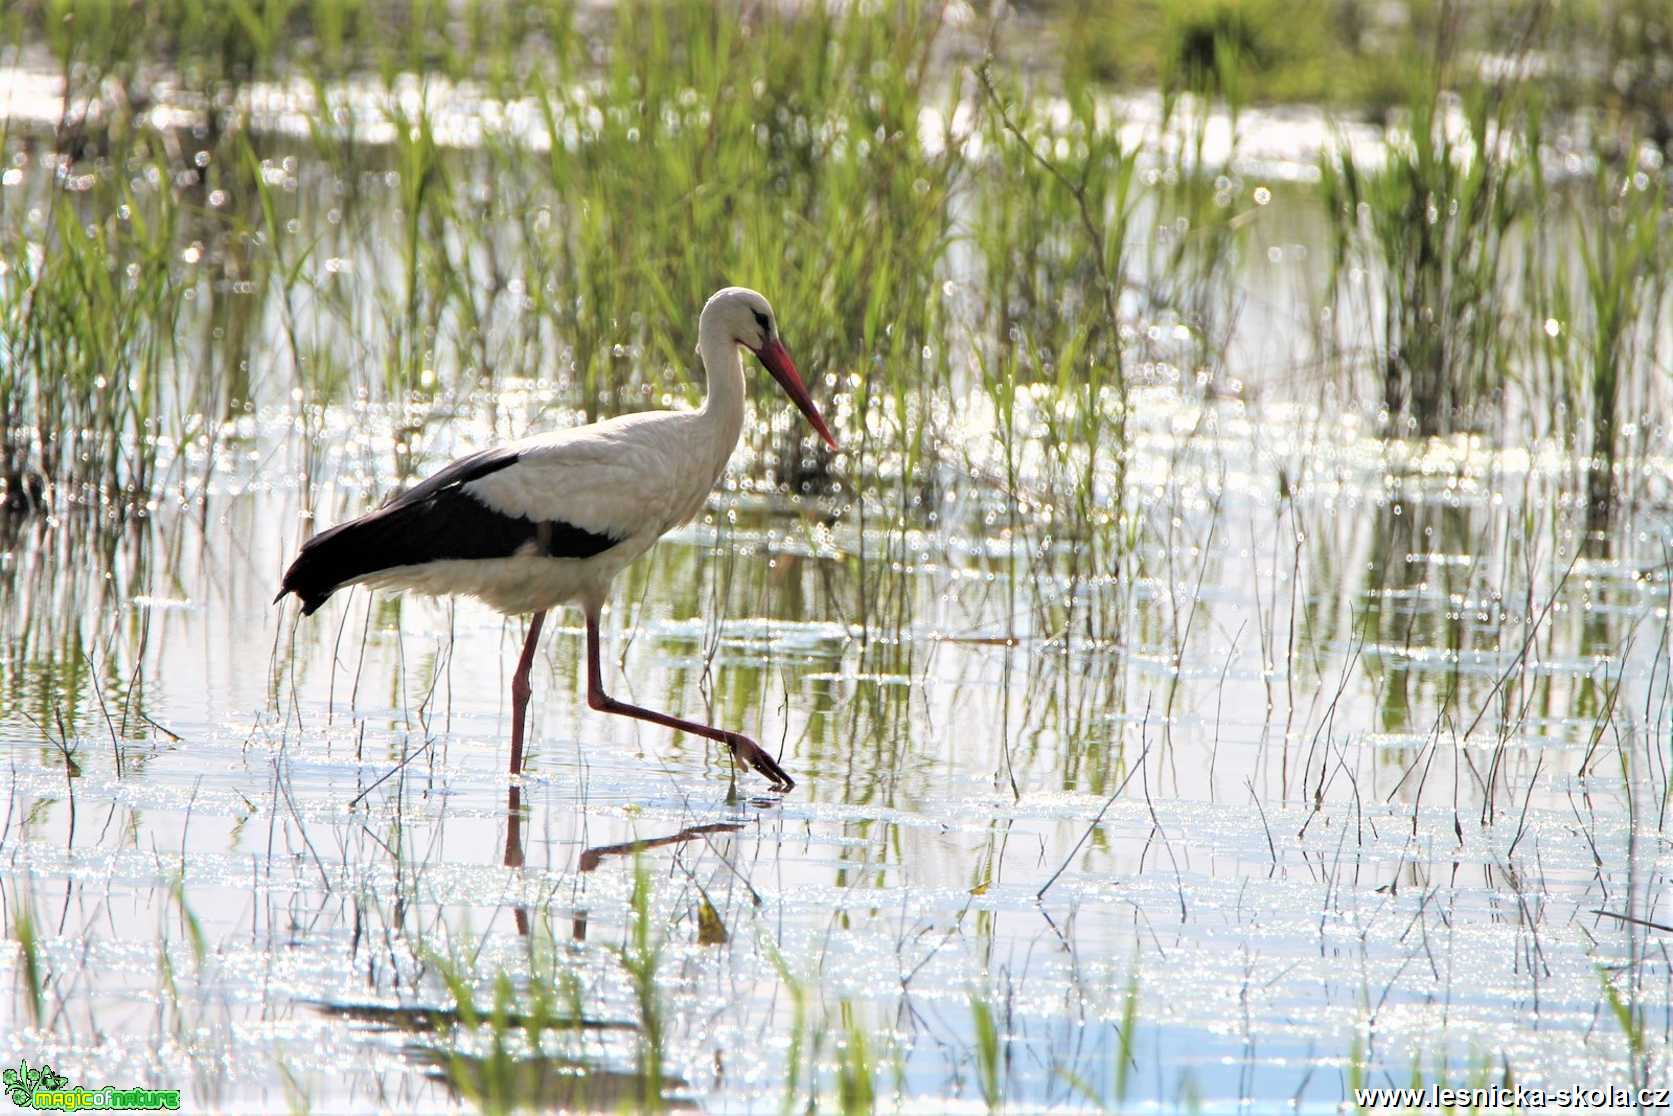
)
(334, 818)
(1342, 772)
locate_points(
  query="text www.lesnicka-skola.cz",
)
(1513, 1096)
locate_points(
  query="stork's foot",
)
(751, 754)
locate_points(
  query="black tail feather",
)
(362, 545)
(400, 534)
(332, 558)
(426, 525)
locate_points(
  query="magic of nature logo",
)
(45, 1088)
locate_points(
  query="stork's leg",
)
(520, 691)
(743, 748)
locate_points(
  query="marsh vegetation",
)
(1228, 661)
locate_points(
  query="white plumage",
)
(552, 519)
(623, 478)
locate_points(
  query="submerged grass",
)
(1623, 247)
(570, 251)
(1504, 293)
(1432, 225)
(610, 171)
(856, 1089)
(639, 959)
(23, 932)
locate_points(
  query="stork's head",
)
(747, 318)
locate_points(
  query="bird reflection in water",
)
(590, 858)
(593, 857)
(514, 848)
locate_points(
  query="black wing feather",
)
(435, 520)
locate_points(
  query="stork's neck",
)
(722, 412)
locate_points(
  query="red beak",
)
(774, 358)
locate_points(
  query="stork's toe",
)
(751, 754)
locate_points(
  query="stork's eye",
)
(764, 322)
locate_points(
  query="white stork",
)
(551, 519)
